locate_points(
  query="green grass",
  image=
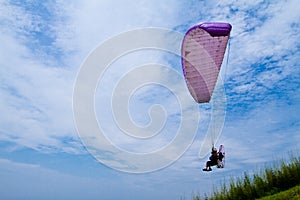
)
(291, 194)
(281, 177)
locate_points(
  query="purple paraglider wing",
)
(202, 53)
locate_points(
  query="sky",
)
(55, 145)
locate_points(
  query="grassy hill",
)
(291, 194)
(282, 181)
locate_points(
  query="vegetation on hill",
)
(272, 180)
(290, 194)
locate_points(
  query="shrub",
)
(280, 177)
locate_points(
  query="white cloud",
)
(35, 97)
(37, 89)
(22, 180)
(92, 22)
(36, 101)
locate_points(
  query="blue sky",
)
(43, 47)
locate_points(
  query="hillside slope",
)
(291, 194)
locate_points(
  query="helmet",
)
(214, 149)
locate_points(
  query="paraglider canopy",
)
(202, 52)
